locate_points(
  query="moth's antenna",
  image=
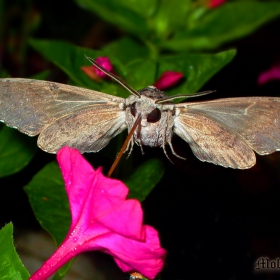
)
(168, 98)
(115, 163)
(115, 77)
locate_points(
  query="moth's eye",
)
(154, 116)
(133, 109)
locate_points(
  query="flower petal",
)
(215, 3)
(98, 198)
(105, 62)
(269, 75)
(145, 257)
(125, 220)
(78, 176)
(168, 79)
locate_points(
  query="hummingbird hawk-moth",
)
(225, 131)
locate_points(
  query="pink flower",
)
(168, 79)
(215, 3)
(104, 62)
(96, 74)
(269, 75)
(103, 219)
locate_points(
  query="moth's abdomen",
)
(149, 135)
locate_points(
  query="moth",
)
(225, 131)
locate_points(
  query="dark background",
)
(214, 222)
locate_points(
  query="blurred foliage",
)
(138, 72)
(142, 39)
(193, 26)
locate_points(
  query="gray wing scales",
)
(255, 119)
(88, 130)
(31, 105)
(213, 142)
(230, 128)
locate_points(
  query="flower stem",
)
(61, 256)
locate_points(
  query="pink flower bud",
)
(104, 62)
(168, 79)
(215, 3)
(269, 75)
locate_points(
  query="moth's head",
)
(152, 93)
(146, 105)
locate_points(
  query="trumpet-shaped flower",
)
(103, 219)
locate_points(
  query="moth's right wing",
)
(226, 131)
(213, 142)
(34, 106)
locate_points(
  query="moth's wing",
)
(88, 130)
(213, 142)
(31, 105)
(255, 121)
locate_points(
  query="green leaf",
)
(42, 75)
(49, 201)
(165, 21)
(128, 15)
(3, 72)
(197, 69)
(141, 73)
(16, 150)
(229, 21)
(144, 179)
(10, 263)
(145, 8)
(69, 58)
(126, 50)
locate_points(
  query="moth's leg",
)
(167, 135)
(163, 147)
(173, 152)
(141, 147)
(138, 131)
(164, 143)
(130, 147)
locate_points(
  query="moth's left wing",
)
(225, 131)
(88, 130)
(61, 114)
(30, 105)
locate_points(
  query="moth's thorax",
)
(156, 119)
